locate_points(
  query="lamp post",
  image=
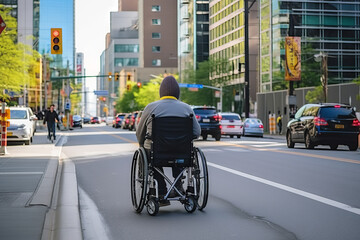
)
(322, 57)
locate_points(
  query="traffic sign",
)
(101, 92)
(186, 85)
(2, 24)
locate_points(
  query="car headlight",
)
(22, 126)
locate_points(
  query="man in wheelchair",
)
(167, 106)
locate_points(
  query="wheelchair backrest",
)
(172, 141)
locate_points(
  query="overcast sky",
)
(92, 22)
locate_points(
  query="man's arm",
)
(141, 129)
(45, 118)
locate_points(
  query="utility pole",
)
(68, 96)
(247, 77)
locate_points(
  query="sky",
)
(92, 22)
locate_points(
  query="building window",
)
(156, 21)
(155, 8)
(124, 62)
(156, 35)
(128, 48)
(156, 62)
(155, 49)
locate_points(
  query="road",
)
(259, 189)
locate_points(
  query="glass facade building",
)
(58, 14)
(331, 27)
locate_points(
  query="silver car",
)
(253, 127)
(22, 125)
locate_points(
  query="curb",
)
(62, 221)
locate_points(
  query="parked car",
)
(253, 127)
(22, 125)
(77, 121)
(231, 124)
(126, 121)
(209, 121)
(324, 124)
(137, 119)
(109, 120)
(117, 122)
(86, 120)
(132, 120)
(94, 120)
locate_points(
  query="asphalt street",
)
(259, 189)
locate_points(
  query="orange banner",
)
(293, 58)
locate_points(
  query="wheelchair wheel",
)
(152, 207)
(190, 204)
(139, 179)
(201, 178)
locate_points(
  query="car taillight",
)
(320, 121)
(261, 126)
(337, 106)
(197, 117)
(220, 126)
(217, 118)
(356, 123)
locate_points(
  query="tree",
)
(127, 102)
(315, 96)
(148, 93)
(18, 61)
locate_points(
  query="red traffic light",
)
(56, 33)
(104, 99)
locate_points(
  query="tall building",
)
(158, 34)
(127, 5)
(193, 33)
(326, 26)
(227, 49)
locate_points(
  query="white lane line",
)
(20, 173)
(211, 150)
(290, 189)
(236, 149)
(269, 145)
(93, 223)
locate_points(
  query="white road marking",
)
(21, 173)
(211, 150)
(290, 189)
(236, 149)
(269, 145)
(93, 224)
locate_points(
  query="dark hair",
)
(52, 105)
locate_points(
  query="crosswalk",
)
(243, 146)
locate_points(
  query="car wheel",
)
(333, 146)
(353, 147)
(231, 136)
(289, 142)
(204, 136)
(218, 137)
(27, 142)
(308, 143)
(238, 136)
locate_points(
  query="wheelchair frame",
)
(144, 187)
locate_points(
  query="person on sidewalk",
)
(279, 122)
(51, 117)
(168, 105)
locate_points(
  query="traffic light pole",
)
(68, 96)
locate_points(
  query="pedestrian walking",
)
(51, 118)
(279, 122)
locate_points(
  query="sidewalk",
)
(27, 179)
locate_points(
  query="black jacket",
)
(50, 117)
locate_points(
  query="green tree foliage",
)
(148, 93)
(127, 102)
(204, 96)
(18, 61)
(315, 96)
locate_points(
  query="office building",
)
(330, 27)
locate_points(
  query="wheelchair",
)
(172, 146)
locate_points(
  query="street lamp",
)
(322, 57)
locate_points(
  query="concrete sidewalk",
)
(28, 176)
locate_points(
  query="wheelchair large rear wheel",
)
(201, 178)
(139, 179)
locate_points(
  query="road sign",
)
(101, 92)
(186, 85)
(67, 104)
(2, 24)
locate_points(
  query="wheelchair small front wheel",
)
(190, 204)
(152, 207)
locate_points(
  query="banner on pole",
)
(292, 58)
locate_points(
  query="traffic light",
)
(139, 84)
(109, 76)
(117, 75)
(104, 99)
(128, 87)
(56, 41)
(129, 77)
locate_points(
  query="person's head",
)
(169, 87)
(52, 107)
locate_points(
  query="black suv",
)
(209, 122)
(324, 124)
